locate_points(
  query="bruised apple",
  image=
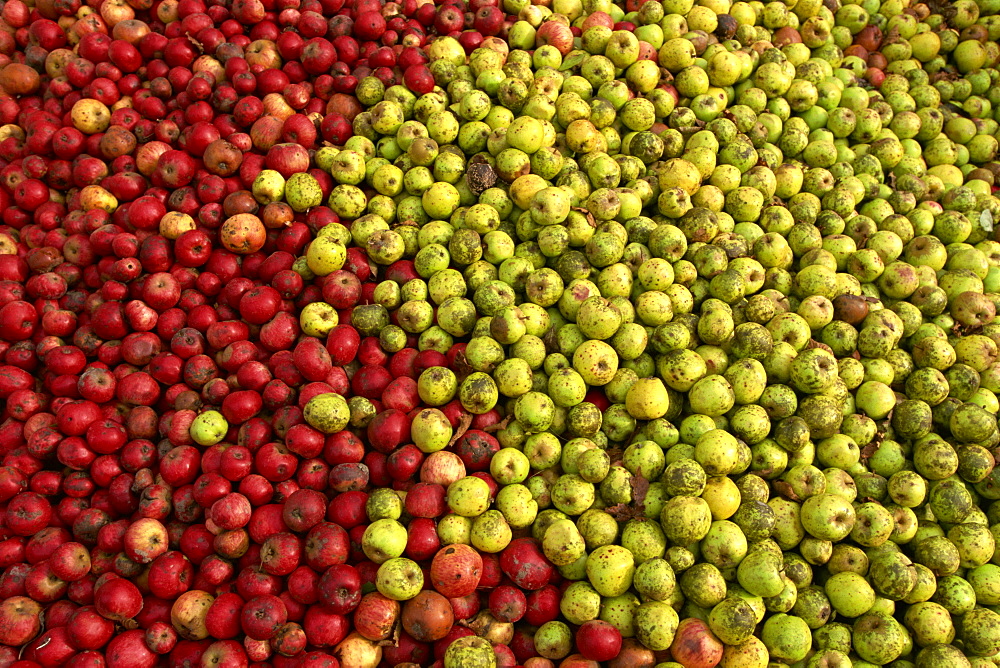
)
(243, 234)
(189, 612)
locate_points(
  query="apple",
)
(340, 588)
(20, 620)
(70, 561)
(170, 575)
(287, 159)
(145, 540)
(262, 616)
(161, 637)
(376, 616)
(442, 468)
(455, 570)
(399, 579)
(357, 650)
(555, 34)
(88, 630)
(129, 650)
(326, 545)
(384, 539)
(280, 554)
(118, 599)
(225, 652)
(598, 640)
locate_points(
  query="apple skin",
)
(324, 628)
(118, 599)
(827, 517)
(384, 539)
(287, 159)
(161, 637)
(225, 652)
(70, 561)
(443, 468)
(170, 575)
(223, 617)
(408, 649)
(426, 500)
(489, 20)
(507, 603)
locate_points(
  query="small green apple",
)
(209, 428)
(399, 578)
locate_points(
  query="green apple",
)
(651, 34)
(268, 187)
(328, 413)
(879, 638)
(490, 532)
(384, 540)
(469, 497)
(318, 318)
(759, 574)
(518, 506)
(580, 603)
(622, 48)
(610, 569)
(209, 428)
(471, 651)
(430, 430)
(828, 517)
(562, 543)
(325, 255)
(656, 623)
(787, 638)
(303, 192)
(509, 466)
(454, 529)
(399, 578)
(647, 399)
(849, 594)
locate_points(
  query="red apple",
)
(455, 570)
(524, 563)
(262, 616)
(20, 620)
(145, 540)
(695, 645)
(555, 34)
(287, 159)
(376, 616)
(598, 640)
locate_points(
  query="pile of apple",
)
(499, 334)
